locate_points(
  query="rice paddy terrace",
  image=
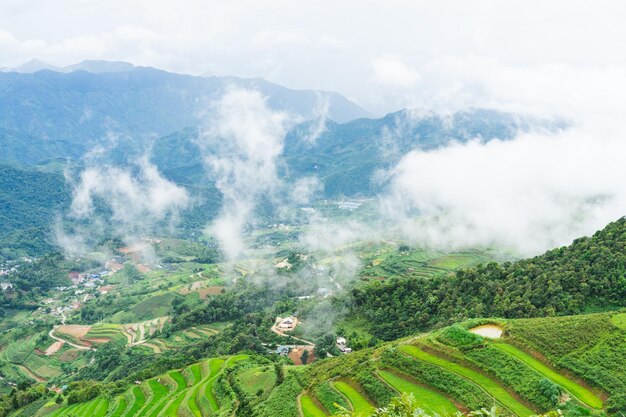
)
(387, 262)
(533, 366)
(141, 335)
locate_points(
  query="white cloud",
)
(241, 144)
(312, 45)
(395, 72)
(529, 194)
(137, 201)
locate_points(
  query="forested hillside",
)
(588, 275)
(71, 111)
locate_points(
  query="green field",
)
(309, 408)
(490, 386)
(357, 401)
(619, 320)
(255, 380)
(176, 393)
(578, 391)
(455, 261)
(427, 399)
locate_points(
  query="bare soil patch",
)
(491, 331)
(296, 353)
(106, 288)
(205, 292)
(77, 331)
(54, 348)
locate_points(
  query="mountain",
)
(30, 198)
(23, 149)
(345, 156)
(99, 66)
(34, 65)
(116, 100)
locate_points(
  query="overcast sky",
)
(383, 54)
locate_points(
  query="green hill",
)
(587, 276)
(569, 363)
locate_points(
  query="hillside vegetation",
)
(589, 275)
(534, 368)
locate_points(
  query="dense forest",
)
(589, 275)
(29, 201)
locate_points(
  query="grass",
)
(358, 402)
(159, 392)
(591, 346)
(138, 402)
(43, 366)
(309, 408)
(181, 382)
(619, 321)
(486, 383)
(203, 395)
(208, 394)
(253, 380)
(172, 409)
(114, 332)
(195, 373)
(153, 307)
(454, 261)
(427, 399)
(191, 400)
(122, 404)
(578, 391)
(101, 409)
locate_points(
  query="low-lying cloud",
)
(138, 200)
(537, 191)
(528, 194)
(241, 143)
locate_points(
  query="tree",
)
(305, 357)
(280, 373)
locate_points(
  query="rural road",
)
(51, 334)
(276, 330)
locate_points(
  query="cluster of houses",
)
(6, 269)
(87, 280)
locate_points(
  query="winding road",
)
(51, 334)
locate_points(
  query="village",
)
(303, 353)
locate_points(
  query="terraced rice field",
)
(204, 393)
(191, 335)
(94, 408)
(358, 402)
(581, 393)
(187, 392)
(102, 333)
(427, 399)
(309, 408)
(487, 384)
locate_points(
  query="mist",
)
(537, 191)
(241, 141)
(138, 198)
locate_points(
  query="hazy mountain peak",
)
(34, 65)
(99, 66)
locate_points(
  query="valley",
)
(281, 209)
(206, 314)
